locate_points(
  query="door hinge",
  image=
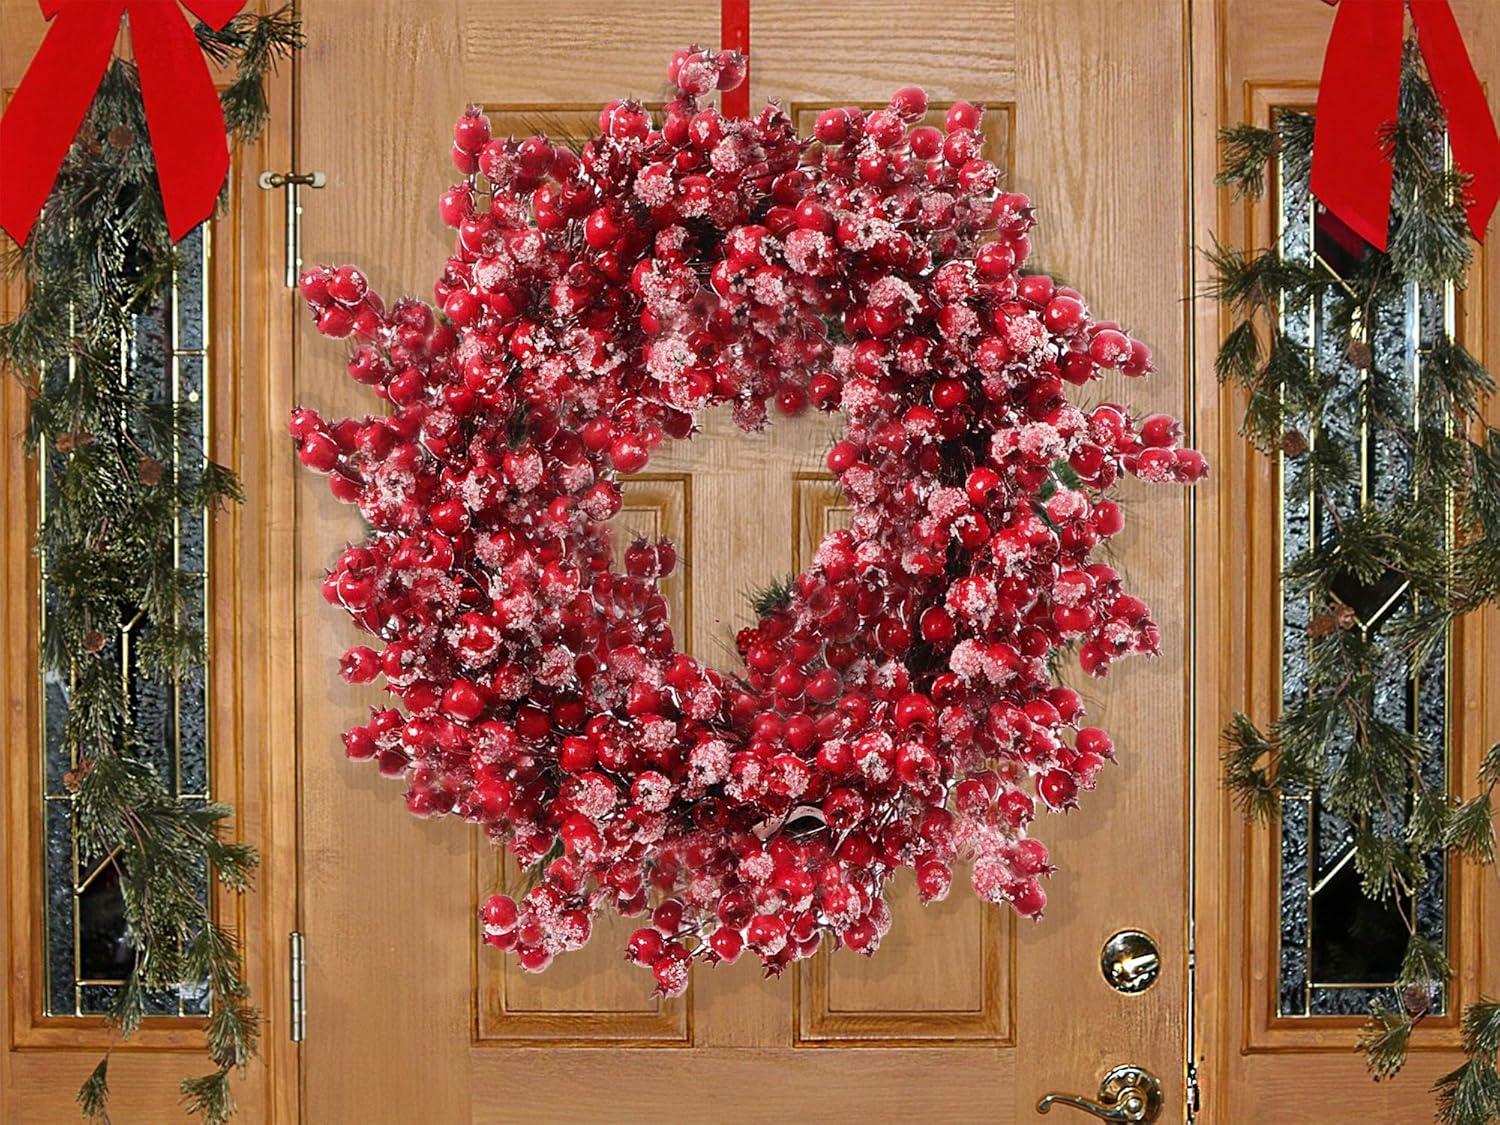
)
(297, 969)
(1194, 1092)
(293, 182)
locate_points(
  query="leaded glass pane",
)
(1338, 949)
(88, 952)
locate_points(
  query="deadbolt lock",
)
(1130, 961)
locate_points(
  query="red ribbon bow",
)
(182, 106)
(1351, 171)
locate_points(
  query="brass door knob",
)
(1128, 1093)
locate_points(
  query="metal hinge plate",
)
(297, 968)
(292, 183)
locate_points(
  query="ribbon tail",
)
(1357, 98)
(734, 35)
(49, 106)
(183, 115)
(215, 13)
(1471, 129)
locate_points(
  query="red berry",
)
(601, 229)
(628, 454)
(645, 946)
(499, 913)
(861, 936)
(1064, 314)
(961, 115)
(463, 701)
(347, 285)
(1028, 899)
(726, 944)
(1109, 347)
(933, 880)
(359, 665)
(936, 626)
(1160, 430)
(1058, 788)
(832, 126)
(909, 102)
(767, 934)
(319, 452)
(914, 710)
(472, 132)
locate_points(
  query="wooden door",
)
(964, 1015)
(219, 336)
(1277, 1039)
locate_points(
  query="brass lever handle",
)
(1128, 1093)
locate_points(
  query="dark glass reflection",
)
(88, 950)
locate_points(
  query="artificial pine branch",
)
(1385, 1039)
(776, 594)
(93, 1095)
(1441, 539)
(99, 256)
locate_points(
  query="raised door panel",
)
(592, 996)
(944, 973)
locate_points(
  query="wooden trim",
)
(498, 1025)
(814, 495)
(31, 1026)
(1253, 1064)
(816, 1023)
(271, 583)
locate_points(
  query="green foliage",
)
(1472, 1092)
(1384, 1040)
(99, 255)
(1439, 542)
(777, 594)
(93, 1095)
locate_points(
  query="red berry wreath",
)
(896, 708)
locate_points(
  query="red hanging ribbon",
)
(1351, 171)
(734, 35)
(182, 107)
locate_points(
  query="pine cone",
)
(1417, 999)
(1322, 625)
(74, 777)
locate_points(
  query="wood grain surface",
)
(1105, 113)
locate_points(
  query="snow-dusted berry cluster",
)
(896, 709)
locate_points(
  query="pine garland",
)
(99, 255)
(1442, 537)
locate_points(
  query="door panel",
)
(227, 351)
(591, 997)
(961, 998)
(1255, 1059)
